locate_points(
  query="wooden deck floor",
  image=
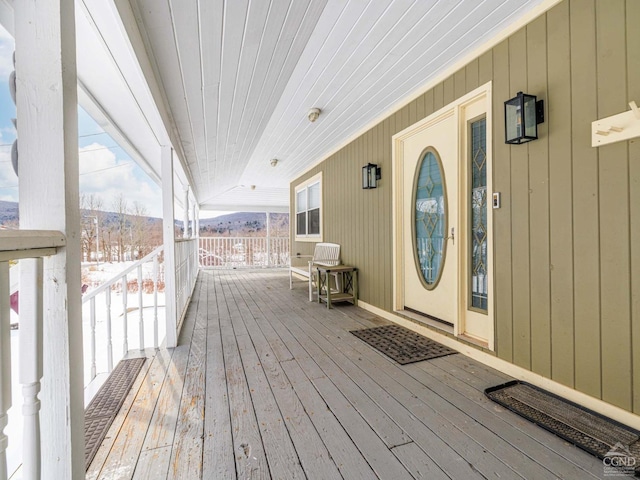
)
(265, 385)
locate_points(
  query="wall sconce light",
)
(522, 114)
(371, 173)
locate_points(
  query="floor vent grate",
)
(598, 435)
(104, 407)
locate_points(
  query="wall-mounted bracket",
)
(616, 128)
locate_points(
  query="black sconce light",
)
(522, 114)
(370, 175)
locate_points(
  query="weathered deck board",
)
(186, 455)
(265, 384)
(218, 457)
(251, 461)
(314, 458)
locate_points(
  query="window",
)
(479, 265)
(308, 209)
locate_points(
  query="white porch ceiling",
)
(229, 82)
(240, 76)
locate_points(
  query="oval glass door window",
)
(430, 220)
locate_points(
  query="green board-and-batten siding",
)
(567, 238)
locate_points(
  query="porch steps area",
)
(265, 384)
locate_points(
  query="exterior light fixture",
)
(313, 114)
(274, 162)
(371, 173)
(522, 114)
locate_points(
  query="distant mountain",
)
(8, 212)
(244, 224)
(237, 224)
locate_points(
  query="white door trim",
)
(457, 109)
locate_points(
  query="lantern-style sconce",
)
(371, 173)
(522, 114)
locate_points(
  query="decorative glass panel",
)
(430, 219)
(479, 266)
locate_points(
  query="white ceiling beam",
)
(126, 17)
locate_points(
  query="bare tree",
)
(121, 209)
(92, 219)
(139, 230)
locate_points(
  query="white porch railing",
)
(186, 272)
(120, 284)
(235, 252)
(30, 247)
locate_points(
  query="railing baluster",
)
(140, 308)
(125, 343)
(109, 333)
(243, 252)
(5, 364)
(92, 320)
(155, 302)
(31, 368)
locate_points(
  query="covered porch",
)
(265, 384)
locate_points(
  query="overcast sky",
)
(105, 169)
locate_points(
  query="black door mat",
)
(401, 344)
(104, 407)
(595, 433)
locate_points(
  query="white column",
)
(268, 264)
(197, 221)
(193, 220)
(169, 240)
(47, 108)
(185, 233)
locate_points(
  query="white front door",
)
(430, 219)
(443, 231)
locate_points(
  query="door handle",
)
(452, 236)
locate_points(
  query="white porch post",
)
(49, 200)
(185, 233)
(169, 240)
(193, 220)
(197, 221)
(268, 239)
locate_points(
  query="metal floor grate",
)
(598, 435)
(401, 344)
(104, 407)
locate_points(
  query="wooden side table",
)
(346, 284)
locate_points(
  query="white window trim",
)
(303, 186)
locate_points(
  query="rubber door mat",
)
(401, 344)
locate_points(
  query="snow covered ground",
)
(119, 325)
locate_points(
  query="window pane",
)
(314, 196)
(479, 265)
(314, 222)
(430, 219)
(301, 200)
(301, 223)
